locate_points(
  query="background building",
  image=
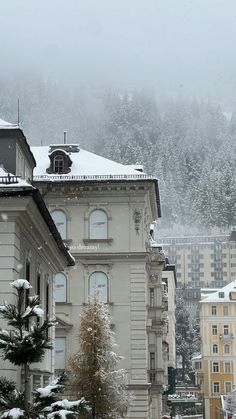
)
(202, 262)
(218, 362)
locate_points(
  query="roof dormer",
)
(60, 162)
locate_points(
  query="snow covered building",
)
(103, 211)
(218, 361)
(30, 245)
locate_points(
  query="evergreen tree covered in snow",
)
(25, 343)
(187, 342)
(184, 143)
(94, 366)
(230, 402)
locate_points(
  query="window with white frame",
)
(98, 225)
(60, 353)
(228, 387)
(60, 288)
(226, 349)
(227, 367)
(216, 387)
(215, 367)
(215, 348)
(59, 218)
(213, 310)
(98, 286)
(214, 330)
(225, 329)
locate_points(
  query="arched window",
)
(98, 286)
(59, 218)
(215, 348)
(58, 164)
(98, 225)
(60, 288)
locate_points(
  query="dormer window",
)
(60, 162)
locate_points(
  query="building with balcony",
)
(103, 211)
(218, 361)
(202, 262)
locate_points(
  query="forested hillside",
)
(188, 144)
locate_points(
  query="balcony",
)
(157, 255)
(156, 377)
(227, 338)
(165, 301)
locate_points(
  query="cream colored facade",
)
(218, 362)
(119, 260)
(30, 247)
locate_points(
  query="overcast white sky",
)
(171, 46)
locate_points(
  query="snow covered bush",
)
(94, 366)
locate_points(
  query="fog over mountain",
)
(181, 48)
(152, 81)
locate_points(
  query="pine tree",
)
(94, 366)
(186, 341)
(230, 400)
(25, 343)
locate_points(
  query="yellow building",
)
(218, 332)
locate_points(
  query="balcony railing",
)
(226, 338)
(8, 179)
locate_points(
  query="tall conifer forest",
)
(188, 144)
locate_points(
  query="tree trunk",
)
(26, 389)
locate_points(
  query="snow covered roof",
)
(85, 166)
(222, 295)
(10, 181)
(7, 125)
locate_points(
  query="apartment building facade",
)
(202, 261)
(103, 211)
(218, 358)
(30, 246)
